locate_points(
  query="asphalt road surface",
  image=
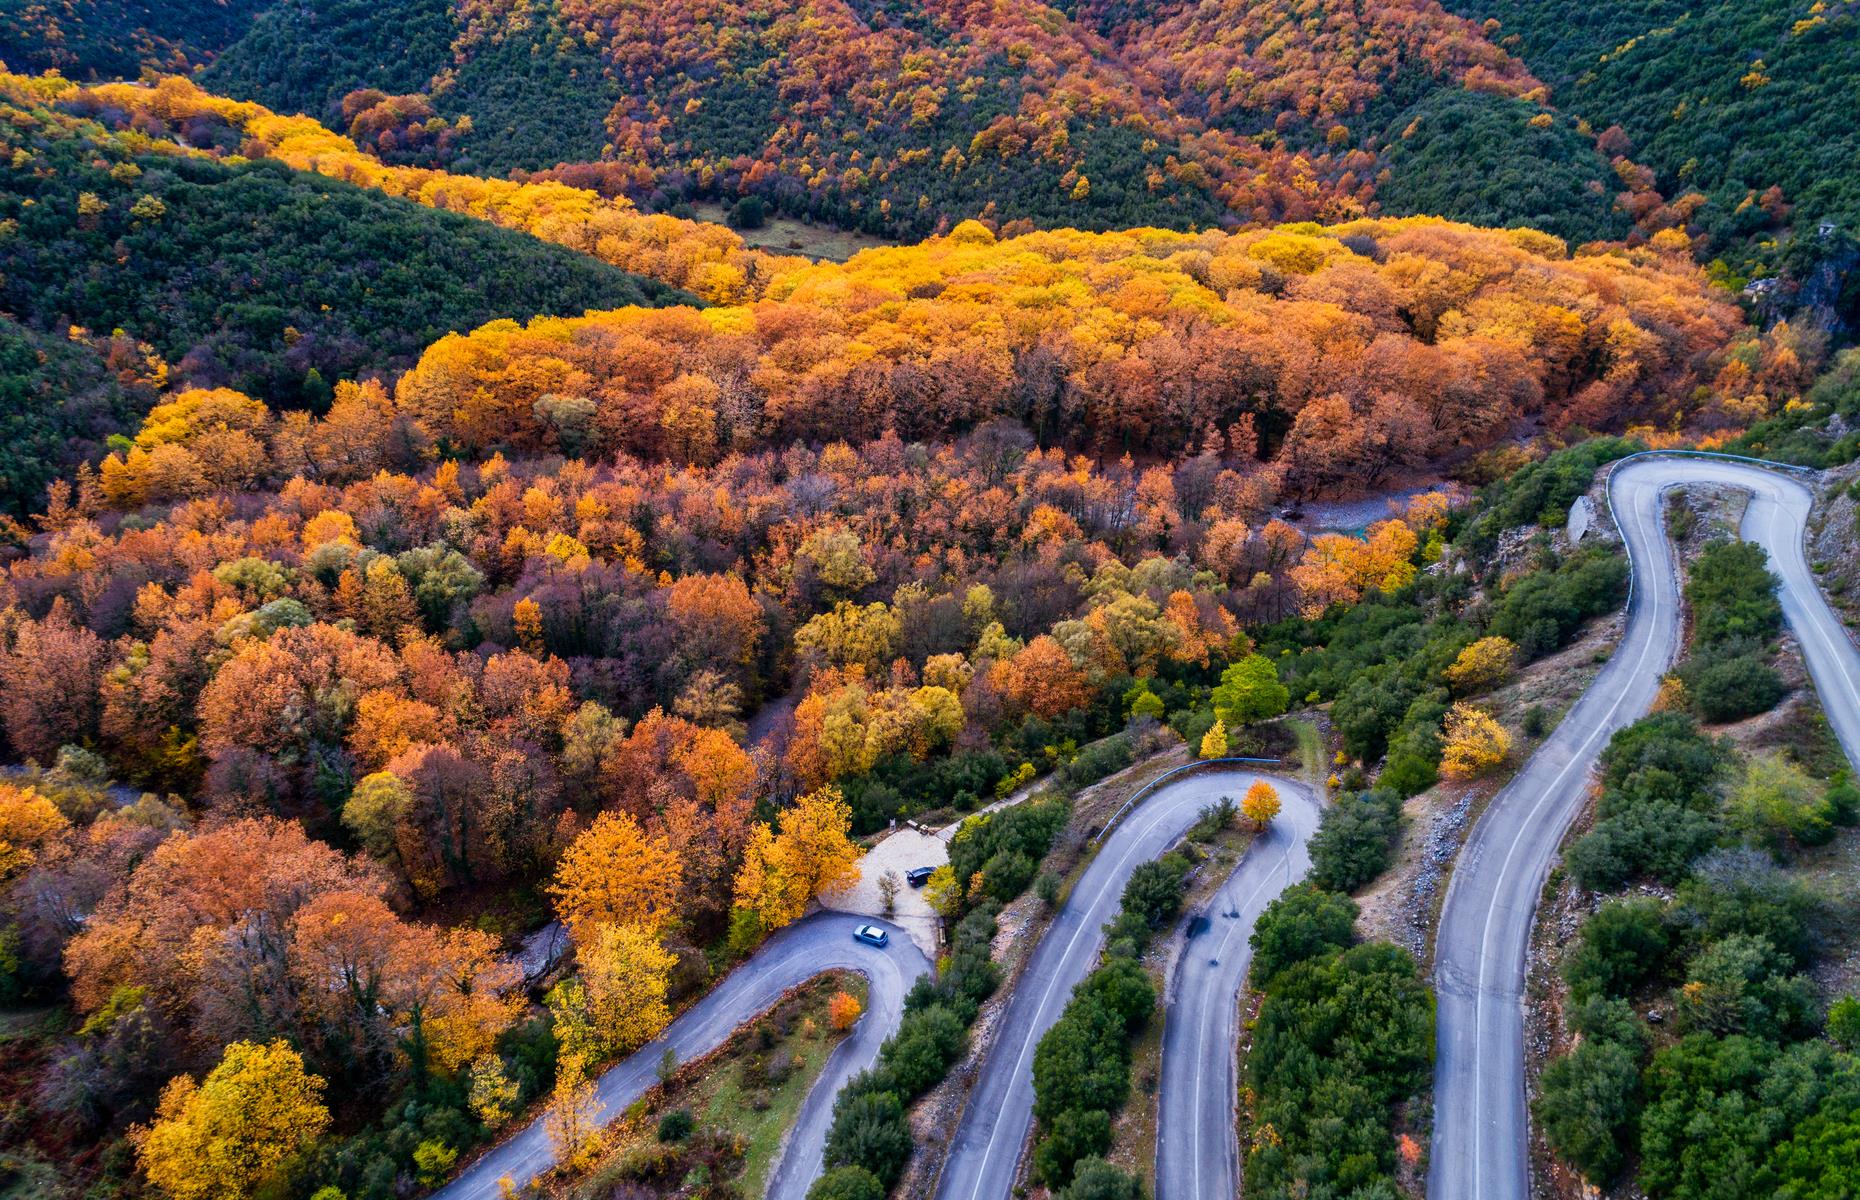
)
(1481, 1130)
(1197, 1153)
(984, 1156)
(792, 956)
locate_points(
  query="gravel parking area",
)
(901, 850)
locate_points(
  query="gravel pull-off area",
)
(1444, 838)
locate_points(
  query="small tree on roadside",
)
(942, 892)
(572, 1121)
(888, 891)
(493, 1095)
(842, 1010)
(667, 1069)
(1474, 743)
(1261, 803)
(1482, 665)
(1214, 742)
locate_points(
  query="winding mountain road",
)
(1197, 1152)
(822, 942)
(985, 1154)
(1481, 1128)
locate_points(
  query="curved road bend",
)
(1481, 1129)
(822, 942)
(984, 1155)
(1197, 1153)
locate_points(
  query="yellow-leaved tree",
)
(493, 1095)
(27, 821)
(1214, 742)
(573, 1120)
(782, 873)
(1481, 665)
(230, 1135)
(616, 874)
(1474, 742)
(1261, 803)
(626, 973)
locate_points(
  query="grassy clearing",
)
(786, 235)
(1312, 761)
(743, 1097)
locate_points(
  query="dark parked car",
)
(918, 876)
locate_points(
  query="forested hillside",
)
(61, 397)
(116, 39)
(906, 119)
(251, 274)
(1748, 105)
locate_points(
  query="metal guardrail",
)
(1719, 454)
(1166, 776)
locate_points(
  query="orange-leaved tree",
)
(843, 1009)
(1261, 803)
(616, 873)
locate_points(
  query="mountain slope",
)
(1723, 99)
(251, 274)
(115, 39)
(904, 118)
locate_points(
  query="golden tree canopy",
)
(1261, 803)
(1474, 742)
(616, 873)
(228, 1136)
(812, 855)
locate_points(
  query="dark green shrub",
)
(1355, 840)
(869, 1131)
(1340, 1041)
(1074, 1135)
(1730, 689)
(928, 1041)
(1742, 984)
(1743, 891)
(1622, 945)
(676, 1125)
(1102, 758)
(1543, 610)
(1657, 840)
(1587, 1105)
(1733, 595)
(1083, 1062)
(847, 1183)
(1715, 1107)
(1305, 922)
(1154, 890)
(1095, 1179)
(1007, 874)
(1026, 830)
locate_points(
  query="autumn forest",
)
(479, 582)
